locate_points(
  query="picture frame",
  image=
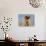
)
(26, 20)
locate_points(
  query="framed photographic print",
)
(26, 20)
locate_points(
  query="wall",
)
(11, 8)
(45, 28)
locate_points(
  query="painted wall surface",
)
(11, 8)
